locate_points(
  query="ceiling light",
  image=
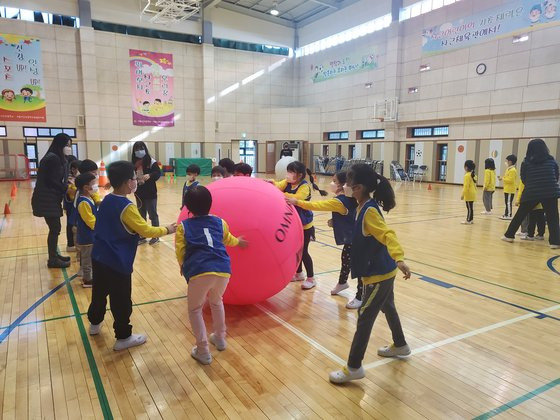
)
(368, 85)
(274, 11)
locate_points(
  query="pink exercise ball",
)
(257, 211)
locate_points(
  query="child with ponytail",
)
(376, 258)
(469, 191)
(296, 186)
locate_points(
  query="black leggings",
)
(69, 232)
(52, 240)
(308, 236)
(470, 210)
(345, 258)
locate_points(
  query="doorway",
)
(248, 153)
(409, 157)
(32, 156)
(441, 162)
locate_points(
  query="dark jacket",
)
(148, 190)
(51, 185)
(540, 179)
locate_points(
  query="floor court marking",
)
(459, 337)
(550, 264)
(519, 400)
(99, 388)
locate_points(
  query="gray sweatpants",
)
(376, 297)
(85, 251)
(525, 224)
(487, 199)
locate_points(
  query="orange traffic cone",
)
(14, 190)
(102, 175)
(429, 187)
(7, 209)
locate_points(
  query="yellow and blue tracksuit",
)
(509, 180)
(200, 247)
(375, 253)
(87, 212)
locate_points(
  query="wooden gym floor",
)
(482, 316)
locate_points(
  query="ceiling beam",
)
(211, 3)
(253, 13)
(328, 3)
(322, 14)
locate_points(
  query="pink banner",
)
(151, 78)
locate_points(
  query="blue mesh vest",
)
(113, 244)
(85, 234)
(206, 252)
(343, 226)
(306, 216)
(369, 257)
(188, 187)
(71, 209)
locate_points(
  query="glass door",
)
(441, 162)
(248, 153)
(31, 153)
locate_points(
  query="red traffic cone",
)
(7, 209)
(14, 190)
(429, 187)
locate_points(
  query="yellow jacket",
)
(489, 180)
(374, 225)
(302, 194)
(509, 180)
(469, 187)
(181, 247)
(333, 204)
(520, 192)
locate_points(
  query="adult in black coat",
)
(539, 173)
(147, 172)
(51, 185)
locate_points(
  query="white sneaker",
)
(346, 375)
(339, 288)
(354, 304)
(309, 283)
(527, 238)
(506, 239)
(392, 351)
(520, 233)
(539, 238)
(219, 344)
(132, 341)
(485, 212)
(466, 222)
(203, 359)
(94, 329)
(70, 249)
(299, 277)
(554, 246)
(506, 217)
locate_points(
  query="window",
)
(441, 162)
(3, 132)
(38, 16)
(248, 153)
(31, 153)
(47, 131)
(440, 131)
(421, 7)
(145, 32)
(75, 149)
(371, 134)
(337, 135)
(247, 46)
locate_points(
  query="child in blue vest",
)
(295, 186)
(376, 257)
(192, 172)
(343, 217)
(115, 240)
(200, 246)
(86, 215)
(69, 200)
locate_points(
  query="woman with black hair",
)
(148, 172)
(51, 185)
(539, 174)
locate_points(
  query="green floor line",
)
(519, 400)
(105, 408)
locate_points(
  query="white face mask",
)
(333, 187)
(215, 178)
(291, 178)
(95, 188)
(67, 150)
(133, 186)
(140, 153)
(347, 190)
